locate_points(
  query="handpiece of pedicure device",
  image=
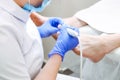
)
(72, 32)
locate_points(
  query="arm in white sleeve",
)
(12, 63)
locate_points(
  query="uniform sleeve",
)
(12, 64)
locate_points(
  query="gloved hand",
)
(65, 42)
(50, 27)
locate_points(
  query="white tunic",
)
(21, 52)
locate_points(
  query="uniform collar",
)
(11, 7)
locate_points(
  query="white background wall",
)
(66, 8)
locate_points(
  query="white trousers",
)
(106, 69)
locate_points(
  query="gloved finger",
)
(73, 31)
(55, 21)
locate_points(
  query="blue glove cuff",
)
(53, 53)
(57, 50)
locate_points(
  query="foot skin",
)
(96, 47)
(38, 19)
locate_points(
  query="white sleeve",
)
(12, 63)
(103, 16)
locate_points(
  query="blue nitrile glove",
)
(65, 42)
(50, 27)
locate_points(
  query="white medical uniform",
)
(21, 52)
(103, 17)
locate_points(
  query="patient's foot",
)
(38, 19)
(96, 47)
